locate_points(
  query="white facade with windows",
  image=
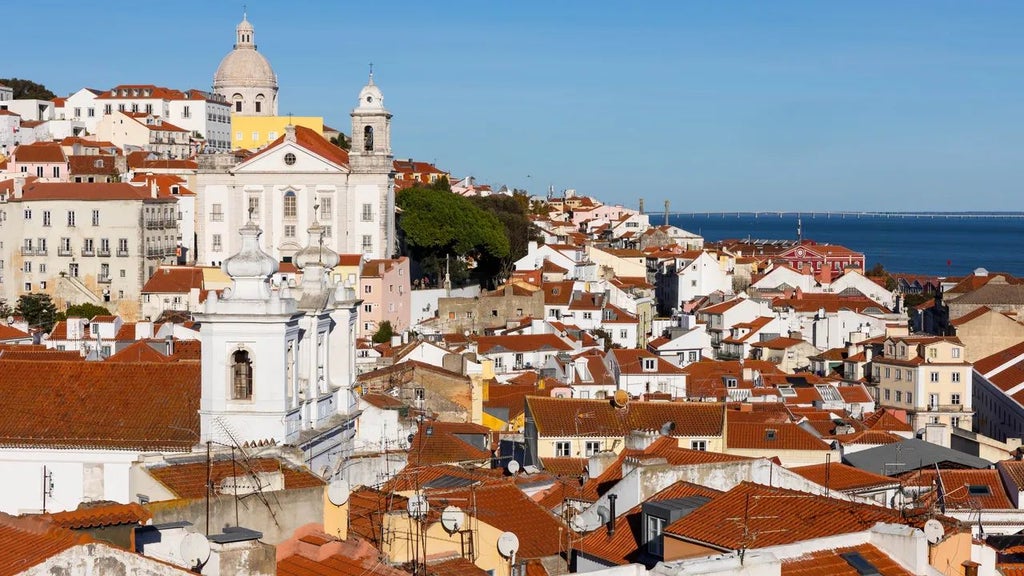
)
(284, 186)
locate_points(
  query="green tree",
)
(87, 310)
(27, 89)
(342, 141)
(384, 333)
(441, 183)
(38, 310)
(5, 310)
(435, 223)
(512, 212)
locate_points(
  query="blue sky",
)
(713, 105)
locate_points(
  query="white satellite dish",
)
(508, 544)
(195, 549)
(513, 467)
(418, 506)
(453, 519)
(933, 531)
(338, 491)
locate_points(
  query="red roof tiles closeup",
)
(567, 417)
(838, 476)
(832, 562)
(188, 479)
(106, 514)
(28, 541)
(119, 406)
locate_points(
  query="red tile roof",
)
(29, 541)
(521, 343)
(308, 138)
(92, 164)
(139, 351)
(776, 516)
(86, 191)
(126, 406)
(49, 152)
(366, 511)
(962, 489)
(187, 479)
(311, 552)
(174, 280)
(106, 514)
(439, 443)
(575, 417)
(625, 545)
(883, 419)
(782, 436)
(838, 476)
(831, 562)
(12, 333)
(457, 566)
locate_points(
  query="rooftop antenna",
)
(641, 205)
(666, 212)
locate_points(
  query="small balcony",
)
(122, 253)
(64, 252)
(217, 217)
(103, 278)
(88, 251)
(103, 252)
(945, 408)
(28, 251)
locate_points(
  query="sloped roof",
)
(187, 478)
(838, 476)
(439, 443)
(576, 417)
(963, 489)
(521, 343)
(832, 562)
(86, 191)
(883, 419)
(174, 280)
(104, 405)
(308, 138)
(782, 436)
(139, 351)
(911, 454)
(106, 514)
(39, 152)
(778, 516)
(29, 541)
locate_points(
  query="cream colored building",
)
(928, 377)
(245, 78)
(79, 243)
(141, 131)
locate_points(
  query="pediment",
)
(301, 161)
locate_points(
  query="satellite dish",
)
(513, 467)
(508, 544)
(338, 491)
(418, 506)
(620, 398)
(933, 531)
(453, 519)
(195, 549)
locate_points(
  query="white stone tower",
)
(245, 77)
(371, 156)
(250, 339)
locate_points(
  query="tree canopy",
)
(86, 310)
(27, 89)
(38, 310)
(384, 333)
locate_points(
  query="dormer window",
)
(241, 376)
(650, 364)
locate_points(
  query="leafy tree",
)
(384, 333)
(27, 89)
(441, 183)
(435, 223)
(5, 310)
(38, 310)
(86, 310)
(342, 141)
(511, 211)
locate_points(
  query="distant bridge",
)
(849, 214)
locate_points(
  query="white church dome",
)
(251, 261)
(315, 252)
(244, 66)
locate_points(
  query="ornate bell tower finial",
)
(371, 74)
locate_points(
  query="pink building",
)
(44, 160)
(384, 288)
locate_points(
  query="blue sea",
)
(940, 244)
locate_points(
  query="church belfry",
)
(371, 132)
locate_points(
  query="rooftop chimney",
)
(611, 514)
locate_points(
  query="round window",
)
(289, 158)
(369, 98)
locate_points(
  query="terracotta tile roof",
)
(1014, 469)
(626, 545)
(92, 164)
(127, 406)
(12, 333)
(830, 303)
(314, 553)
(832, 562)
(883, 419)
(777, 516)
(40, 152)
(575, 417)
(383, 401)
(106, 514)
(29, 541)
(565, 466)
(367, 507)
(174, 280)
(439, 443)
(187, 478)
(139, 351)
(783, 436)
(187, 350)
(854, 393)
(780, 343)
(558, 293)
(457, 566)
(521, 343)
(962, 489)
(874, 437)
(41, 355)
(630, 361)
(308, 139)
(838, 476)
(721, 307)
(415, 477)
(990, 363)
(507, 508)
(169, 164)
(86, 191)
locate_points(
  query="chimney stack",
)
(611, 514)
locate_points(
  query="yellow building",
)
(253, 132)
(929, 377)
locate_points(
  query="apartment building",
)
(928, 377)
(96, 242)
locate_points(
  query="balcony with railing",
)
(88, 251)
(122, 253)
(103, 252)
(64, 252)
(28, 251)
(103, 278)
(216, 217)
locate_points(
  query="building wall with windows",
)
(81, 243)
(255, 132)
(930, 378)
(384, 289)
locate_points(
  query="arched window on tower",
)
(241, 376)
(368, 138)
(237, 98)
(290, 209)
(259, 103)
